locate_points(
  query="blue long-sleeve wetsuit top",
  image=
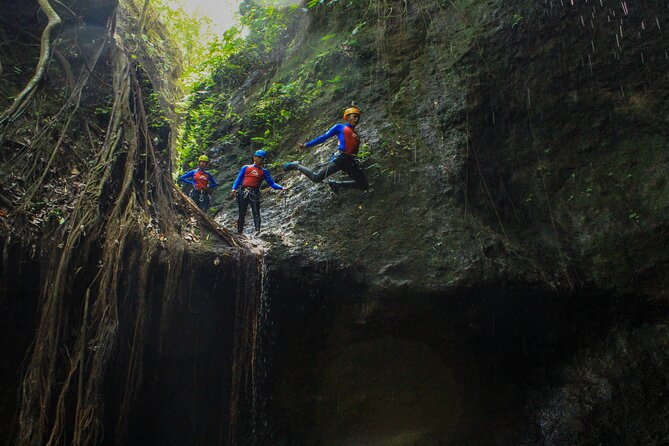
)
(348, 138)
(252, 175)
(199, 178)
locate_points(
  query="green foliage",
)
(266, 26)
(103, 111)
(364, 152)
(199, 128)
(314, 3)
(154, 113)
(221, 48)
(280, 84)
(516, 20)
(228, 62)
(189, 32)
(273, 111)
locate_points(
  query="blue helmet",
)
(260, 153)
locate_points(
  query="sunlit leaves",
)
(190, 33)
(226, 65)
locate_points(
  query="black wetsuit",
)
(247, 186)
(344, 159)
(201, 198)
(248, 196)
(201, 180)
(343, 162)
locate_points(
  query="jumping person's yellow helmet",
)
(203, 158)
(350, 111)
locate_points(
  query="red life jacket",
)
(253, 176)
(351, 141)
(201, 179)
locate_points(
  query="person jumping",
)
(246, 189)
(344, 159)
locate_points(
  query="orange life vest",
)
(253, 176)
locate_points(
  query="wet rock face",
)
(529, 145)
(497, 365)
(529, 154)
(567, 153)
(615, 393)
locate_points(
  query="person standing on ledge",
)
(247, 189)
(344, 159)
(202, 181)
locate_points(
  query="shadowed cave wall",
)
(195, 359)
(501, 363)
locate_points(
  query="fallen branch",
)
(214, 227)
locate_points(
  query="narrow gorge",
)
(502, 281)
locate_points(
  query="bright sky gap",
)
(223, 13)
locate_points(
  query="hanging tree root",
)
(84, 315)
(77, 340)
(45, 53)
(51, 377)
(71, 107)
(64, 63)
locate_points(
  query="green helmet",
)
(204, 158)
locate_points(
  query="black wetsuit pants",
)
(346, 163)
(201, 198)
(248, 196)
